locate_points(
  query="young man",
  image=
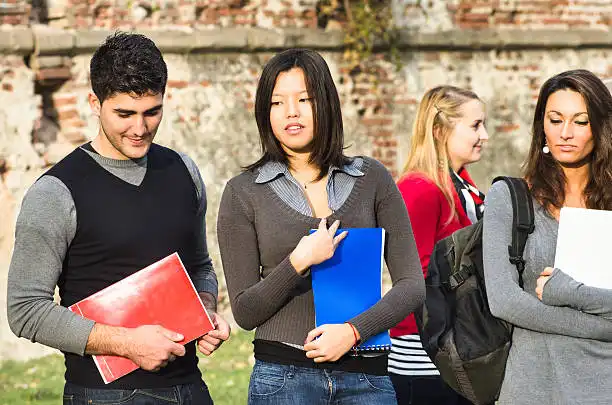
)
(110, 208)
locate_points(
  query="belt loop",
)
(177, 392)
(291, 371)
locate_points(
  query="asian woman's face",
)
(292, 112)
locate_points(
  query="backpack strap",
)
(522, 220)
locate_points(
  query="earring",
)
(546, 149)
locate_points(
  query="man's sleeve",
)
(45, 228)
(202, 273)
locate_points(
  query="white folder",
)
(584, 246)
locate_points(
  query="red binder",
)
(160, 294)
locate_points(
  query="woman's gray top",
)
(561, 348)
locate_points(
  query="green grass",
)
(38, 381)
(228, 370)
(41, 381)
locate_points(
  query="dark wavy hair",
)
(127, 63)
(328, 142)
(544, 173)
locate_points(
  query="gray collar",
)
(271, 170)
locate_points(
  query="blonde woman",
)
(448, 134)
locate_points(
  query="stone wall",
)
(215, 49)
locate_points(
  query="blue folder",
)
(351, 282)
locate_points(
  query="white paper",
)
(584, 248)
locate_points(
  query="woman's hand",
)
(316, 247)
(334, 340)
(542, 280)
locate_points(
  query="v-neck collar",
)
(107, 164)
(110, 162)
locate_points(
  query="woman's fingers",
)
(339, 238)
(540, 283)
(312, 335)
(334, 227)
(547, 271)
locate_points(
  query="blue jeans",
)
(278, 384)
(187, 394)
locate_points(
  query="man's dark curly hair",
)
(127, 63)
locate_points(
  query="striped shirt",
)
(340, 183)
(407, 357)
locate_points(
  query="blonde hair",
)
(436, 118)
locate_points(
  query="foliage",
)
(368, 24)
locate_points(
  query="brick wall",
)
(373, 94)
(532, 14)
(430, 15)
(14, 12)
(122, 14)
(434, 15)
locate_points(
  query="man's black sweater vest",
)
(122, 228)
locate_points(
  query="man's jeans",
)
(188, 394)
(278, 384)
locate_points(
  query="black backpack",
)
(468, 345)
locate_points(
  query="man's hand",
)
(210, 342)
(152, 347)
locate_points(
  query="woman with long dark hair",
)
(303, 181)
(561, 343)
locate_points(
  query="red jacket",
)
(429, 212)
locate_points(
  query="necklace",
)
(305, 185)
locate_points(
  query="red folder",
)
(160, 294)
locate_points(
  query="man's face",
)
(128, 124)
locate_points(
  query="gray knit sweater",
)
(258, 231)
(561, 348)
